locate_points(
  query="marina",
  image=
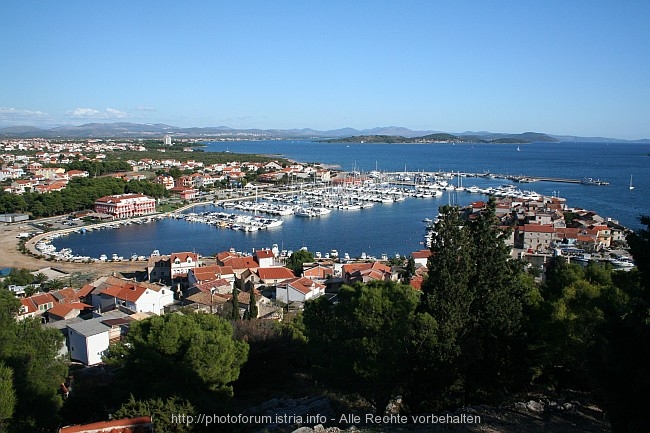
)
(380, 212)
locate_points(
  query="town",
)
(266, 285)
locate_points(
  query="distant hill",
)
(527, 137)
(157, 130)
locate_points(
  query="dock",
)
(395, 178)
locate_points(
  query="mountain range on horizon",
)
(157, 130)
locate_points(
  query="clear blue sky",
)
(562, 67)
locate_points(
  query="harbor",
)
(306, 215)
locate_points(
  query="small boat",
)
(518, 149)
(631, 186)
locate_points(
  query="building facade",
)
(125, 205)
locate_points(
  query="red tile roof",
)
(538, 228)
(29, 305)
(127, 425)
(206, 273)
(43, 298)
(264, 254)
(183, 256)
(304, 285)
(128, 292)
(241, 262)
(85, 291)
(422, 254)
(62, 310)
(280, 273)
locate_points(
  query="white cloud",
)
(91, 113)
(15, 116)
(142, 108)
(83, 113)
(116, 114)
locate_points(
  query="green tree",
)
(7, 395)
(361, 344)
(32, 353)
(487, 363)
(621, 362)
(161, 411)
(234, 312)
(252, 306)
(446, 292)
(195, 350)
(297, 259)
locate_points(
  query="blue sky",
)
(561, 67)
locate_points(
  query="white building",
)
(135, 298)
(298, 290)
(167, 139)
(88, 340)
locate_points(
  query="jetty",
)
(413, 178)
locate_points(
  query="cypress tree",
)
(446, 294)
(234, 314)
(252, 306)
(496, 309)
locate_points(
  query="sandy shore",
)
(11, 257)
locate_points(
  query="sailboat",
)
(631, 186)
(518, 149)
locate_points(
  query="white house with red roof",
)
(134, 297)
(265, 258)
(298, 290)
(421, 257)
(181, 263)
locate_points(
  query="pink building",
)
(125, 205)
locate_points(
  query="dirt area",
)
(10, 257)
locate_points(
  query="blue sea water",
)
(397, 227)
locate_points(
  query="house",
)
(317, 271)
(184, 193)
(134, 297)
(273, 276)
(159, 269)
(88, 340)
(365, 272)
(298, 290)
(165, 180)
(67, 311)
(535, 237)
(181, 263)
(216, 285)
(27, 309)
(43, 301)
(209, 273)
(421, 257)
(265, 258)
(239, 264)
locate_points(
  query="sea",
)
(396, 228)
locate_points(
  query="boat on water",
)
(631, 186)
